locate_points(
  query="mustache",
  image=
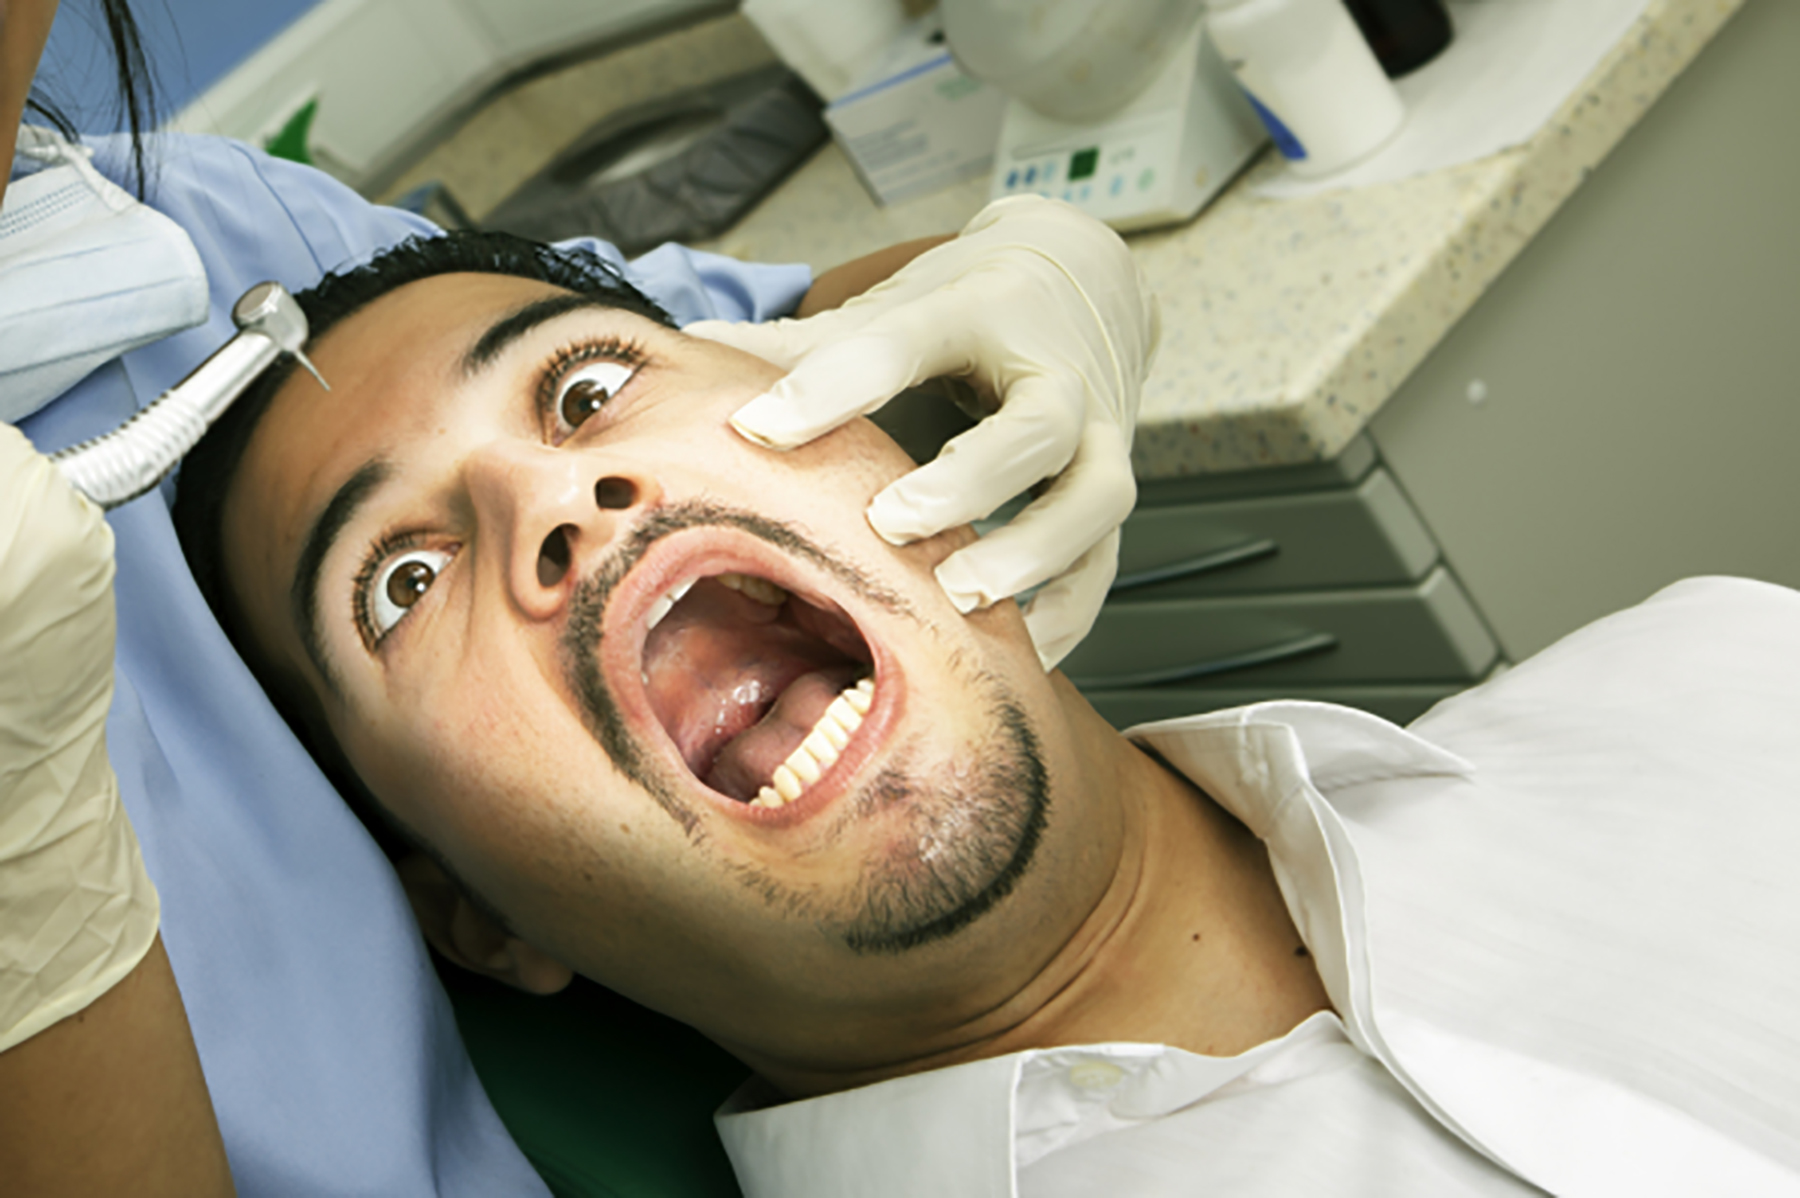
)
(582, 635)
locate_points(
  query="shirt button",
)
(1096, 1075)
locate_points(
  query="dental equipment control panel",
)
(1156, 161)
(123, 464)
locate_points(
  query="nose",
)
(557, 553)
(545, 517)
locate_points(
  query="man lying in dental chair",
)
(649, 703)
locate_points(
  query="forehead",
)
(386, 364)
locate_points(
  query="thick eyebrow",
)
(320, 538)
(509, 328)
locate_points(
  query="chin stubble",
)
(960, 844)
(966, 843)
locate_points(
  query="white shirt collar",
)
(1250, 760)
(868, 1140)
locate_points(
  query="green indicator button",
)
(1083, 162)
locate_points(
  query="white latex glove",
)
(77, 911)
(1044, 311)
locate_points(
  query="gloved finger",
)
(833, 384)
(854, 373)
(781, 342)
(1060, 614)
(855, 369)
(1087, 501)
(1036, 432)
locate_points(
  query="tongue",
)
(718, 664)
(745, 763)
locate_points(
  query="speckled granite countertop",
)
(1288, 323)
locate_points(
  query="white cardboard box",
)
(921, 124)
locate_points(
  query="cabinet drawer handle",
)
(1300, 646)
(1218, 559)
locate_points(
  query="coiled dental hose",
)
(123, 464)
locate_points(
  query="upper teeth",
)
(815, 754)
(759, 589)
(666, 603)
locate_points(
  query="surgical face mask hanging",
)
(87, 273)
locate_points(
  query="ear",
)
(469, 937)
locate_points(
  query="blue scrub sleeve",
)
(695, 285)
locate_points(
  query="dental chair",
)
(607, 1099)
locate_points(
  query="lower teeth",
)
(816, 753)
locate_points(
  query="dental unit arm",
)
(123, 464)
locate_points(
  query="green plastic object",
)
(607, 1099)
(290, 140)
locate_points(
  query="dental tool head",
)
(267, 308)
(125, 463)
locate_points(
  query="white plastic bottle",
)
(1312, 77)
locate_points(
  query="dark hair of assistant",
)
(136, 87)
(208, 470)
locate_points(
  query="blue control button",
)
(1049, 170)
(1086, 191)
(1012, 179)
(1068, 195)
(1030, 175)
(1118, 184)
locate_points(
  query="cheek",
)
(852, 463)
(469, 769)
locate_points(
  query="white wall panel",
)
(386, 72)
(522, 31)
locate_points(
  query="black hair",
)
(135, 91)
(209, 469)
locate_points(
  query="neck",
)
(1189, 942)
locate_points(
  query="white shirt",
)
(1560, 918)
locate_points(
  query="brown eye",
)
(586, 391)
(402, 582)
(581, 400)
(408, 582)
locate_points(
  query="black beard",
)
(968, 846)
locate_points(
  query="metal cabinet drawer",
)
(1428, 631)
(1366, 535)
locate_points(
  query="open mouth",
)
(760, 690)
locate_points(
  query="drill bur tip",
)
(305, 361)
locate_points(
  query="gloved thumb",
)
(1063, 611)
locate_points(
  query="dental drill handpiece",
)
(123, 464)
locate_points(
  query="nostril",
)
(615, 493)
(554, 556)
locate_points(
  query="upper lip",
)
(686, 556)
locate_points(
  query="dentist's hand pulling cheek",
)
(1044, 311)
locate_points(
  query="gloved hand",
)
(77, 911)
(1044, 311)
